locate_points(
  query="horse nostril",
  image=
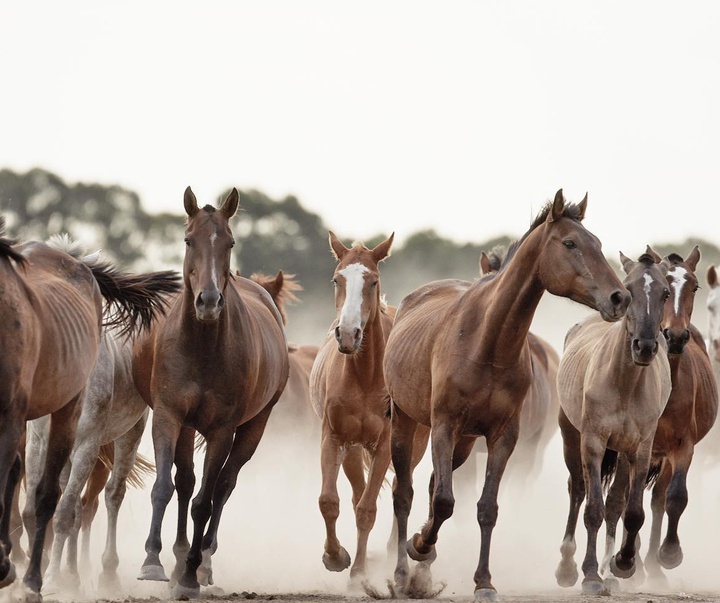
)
(666, 333)
(337, 333)
(358, 334)
(618, 298)
(199, 300)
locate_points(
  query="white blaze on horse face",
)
(213, 267)
(351, 314)
(677, 276)
(647, 288)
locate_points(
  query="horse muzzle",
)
(209, 305)
(644, 350)
(614, 307)
(676, 340)
(348, 340)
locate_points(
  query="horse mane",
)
(570, 210)
(6, 246)
(280, 296)
(65, 243)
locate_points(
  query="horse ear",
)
(626, 262)
(191, 206)
(338, 249)
(653, 254)
(693, 258)
(558, 206)
(382, 251)
(712, 277)
(582, 206)
(230, 205)
(485, 267)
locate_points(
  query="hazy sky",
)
(380, 116)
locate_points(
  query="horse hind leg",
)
(8, 490)
(95, 484)
(670, 553)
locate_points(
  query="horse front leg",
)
(245, 443)
(184, 485)
(566, 573)
(10, 470)
(219, 445)
(165, 433)
(94, 486)
(403, 442)
(592, 449)
(670, 554)
(499, 452)
(614, 507)
(124, 460)
(366, 508)
(335, 558)
(622, 564)
(63, 426)
(657, 506)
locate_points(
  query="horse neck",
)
(505, 306)
(369, 358)
(207, 334)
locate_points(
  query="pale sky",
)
(380, 116)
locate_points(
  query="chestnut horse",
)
(348, 393)
(614, 383)
(216, 365)
(539, 414)
(51, 317)
(458, 362)
(688, 417)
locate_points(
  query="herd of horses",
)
(89, 355)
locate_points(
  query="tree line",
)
(271, 235)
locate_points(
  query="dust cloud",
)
(272, 533)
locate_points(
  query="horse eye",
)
(666, 294)
(696, 288)
(569, 244)
(187, 241)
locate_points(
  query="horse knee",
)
(634, 519)
(593, 516)
(162, 493)
(365, 517)
(329, 506)
(676, 501)
(443, 504)
(487, 513)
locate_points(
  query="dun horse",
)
(614, 383)
(458, 362)
(348, 393)
(688, 417)
(51, 316)
(217, 365)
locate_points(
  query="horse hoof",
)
(619, 570)
(9, 576)
(593, 587)
(566, 575)
(612, 584)
(416, 555)
(483, 595)
(191, 592)
(153, 572)
(108, 583)
(670, 556)
(337, 564)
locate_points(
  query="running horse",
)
(348, 393)
(215, 365)
(53, 306)
(614, 382)
(458, 362)
(688, 417)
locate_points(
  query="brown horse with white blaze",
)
(217, 365)
(348, 393)
(458, 362)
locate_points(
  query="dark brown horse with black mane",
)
(217, 365)
(688, 417)
(458, 362)
(52, 303)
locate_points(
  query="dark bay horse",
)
(216, 365)
(689, 415)
(348, 393)
(539, 414)
(52, 303)
(458, 362)
(614, 383)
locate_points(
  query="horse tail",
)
(141, 467)
(134, 300)
(653, 474)
(608, 468)
(6, 246)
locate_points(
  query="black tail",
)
(653, 474)
(608, 468)
(134, 300)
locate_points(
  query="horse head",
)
(209, 242)
(649, 291)
(357, 289)
(572, 264)
(683, 285)
(713, 306)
